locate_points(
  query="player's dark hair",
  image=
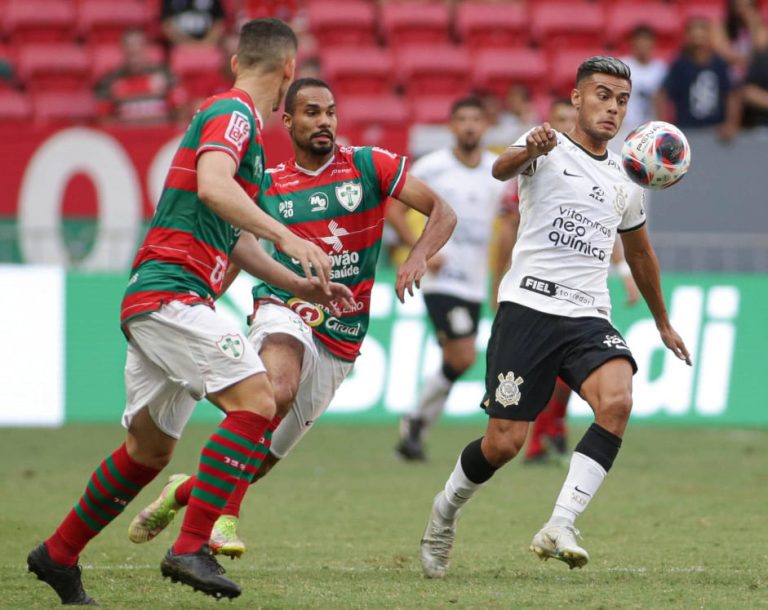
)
(642, 29)
(265, 43)
(471, 101)
(603, 64)
(298, 85)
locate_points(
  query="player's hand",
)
(675, 343)
(310, 257)
(409, 273)
(540, 140)
(435, 263)
(338, 301)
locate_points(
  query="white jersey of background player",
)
(456, 284)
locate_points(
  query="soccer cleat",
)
(410, 447)
(156, 517)
(437, 542)
(65, 581)
(559, 541)
(224, 538)
(200, 571)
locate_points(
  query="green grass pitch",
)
(681, 522)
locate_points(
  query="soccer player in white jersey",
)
(456, 285)
(554, 312)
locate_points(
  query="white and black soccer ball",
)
(656, 155)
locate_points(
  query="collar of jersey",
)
(602, 157)
(316, 172)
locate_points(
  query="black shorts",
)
(529, 349)
(452, 317)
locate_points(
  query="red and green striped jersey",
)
(186, 250)
(340, 207)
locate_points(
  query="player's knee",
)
(455, 365)
(152, 456)
(503, 441)
(285, 389)
(613, 410)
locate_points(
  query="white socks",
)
(458, 490)
(584, 479)
(432, 399)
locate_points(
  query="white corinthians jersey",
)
(476, 198)
(572, 203)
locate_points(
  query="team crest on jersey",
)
(621, 199)
(310, 314)
(232, 346)
(508, 393)
(349, 195)
(238, 130)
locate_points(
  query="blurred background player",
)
(456, 284)
(337, 197)
(192, 21)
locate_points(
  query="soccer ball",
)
(656, 155)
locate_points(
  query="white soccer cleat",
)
(559, 541)
(437, 542)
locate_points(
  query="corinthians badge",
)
(508, 392)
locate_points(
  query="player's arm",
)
(440, 224)
(642, 260)
(509, 222)
(252, 258)
(218, 189)
(516, 159)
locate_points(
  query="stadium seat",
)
(38, 21)
(358, 70)
(192, 64)
(481, 26)
(370, 110)
(101, 22)
(49, 67)
(559, 25)
(715, 12)
(64, 106)
(108, 57)
(432, 109)
(412, 23)
(14, 107)
(433, 70)
(562, 69)
(623, 17)
(495, 70)
(342, 24)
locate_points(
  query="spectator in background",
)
(139, 91)
(698, 85)
(755, 91)
(192, 21)
(742, 33)
(515, 118)
(648, 72)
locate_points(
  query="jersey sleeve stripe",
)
(630, 229)
(219, 147)
(399, 181)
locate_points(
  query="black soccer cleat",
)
(65, 581)
(200, 571)
(410, 447)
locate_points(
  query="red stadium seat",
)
(372, 110)
(558, 25)
(562, 69)
(14, 107)
(48, 67)
(64, 106)
(193, 64)
(339, 24)
(358, 70)
(38, 21)
(412, 23)
(496, 70)
(481, 26)
(101, 22)
(432, 109)
(715, 12)
(664, 19)
(108, 57)
(434, 70)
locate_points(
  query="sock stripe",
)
(216, 465)
(98, 511)
(109, 503)
(131, 488)
(216, 482)
(110, 491)
(86, 518)
(208, 498)
(244, 443)
(240, 456)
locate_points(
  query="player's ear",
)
(287, 121)
(576, 98)
(233, 64)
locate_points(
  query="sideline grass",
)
(682, 522)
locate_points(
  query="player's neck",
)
(470, 158)
(311, 161)
(588, 143)
(262, 89)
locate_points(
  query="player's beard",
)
(469, 145)
(319, 150)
